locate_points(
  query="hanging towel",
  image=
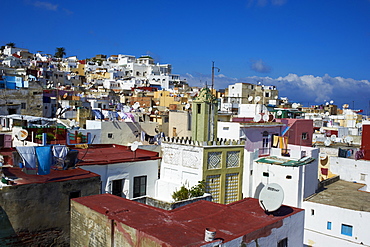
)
(28, 155)
(44, 159)
(60, 153)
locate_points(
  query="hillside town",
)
(117, 150)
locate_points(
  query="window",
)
(346, 230)
(99, 105)
(267, 94)
(304, 136)
(139, 186)
(225, 128)
(363, 176)
(266, 174)
(288, 177)
(74, 194)
(328, 225)
(110, 135)
(117, 187)
(312, 212)
(23, 105)
(283, 243)
(199, 107)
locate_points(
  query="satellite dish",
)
(265, 117)
(65, 95)
(327, 113)
(271, 197)
(322, 130)
(323, 156)
(359, 125)
(279, 113)
(345, 106)
(156, 112)
(250, 98)
(150, 109)
(257, 99)
(331, 102)
(333, 138)
(22, 134)
(276, 97)
(348, 139)
(327, 103)
(187, 106)
(327, 142)
(257, 118)
(295, 105)
(134, 146)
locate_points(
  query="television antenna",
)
(271, 197)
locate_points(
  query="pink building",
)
(298, 131)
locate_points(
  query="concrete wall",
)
(38, 214)
(181, 121)
(88, 227)
(228, 130)
(181, 164)
(351, 170)
(127, 171)
(317, 234)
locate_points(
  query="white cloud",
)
(260, 66)
(45, 5)
(304, 89)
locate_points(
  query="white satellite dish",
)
(276, 97)
(279, 113)
(359, 125)
(257, 99)
(327, 103)
(323, 156)
(295, 105)
(331, 102)
(348, 139)
(271, 197)
(333, 138)
(322, 130)
(327, 113)
(327, 142)
(150, 109)
(265, 117)
(136, 105)
(134, 146)
(250, 98)
(345, 106)
(187, 106)
(22, 134)
(257, 118)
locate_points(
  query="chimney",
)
(210, 234)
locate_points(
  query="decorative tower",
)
(204, 116)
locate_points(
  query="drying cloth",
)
(28, 155)
(44, 159)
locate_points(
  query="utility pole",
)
(212, 122)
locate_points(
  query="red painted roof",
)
(104, 154)
(185, 226)
(20, 177)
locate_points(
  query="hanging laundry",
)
(59, 153)
(28, 155)
(44, 159)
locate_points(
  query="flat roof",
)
(343, 194)
(21, 178)
(282, 161)
(104, 154)
(185, 226)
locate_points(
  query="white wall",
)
(181, 165)
(351, 170)
(316, 233)
(147, 168)
(228, 130)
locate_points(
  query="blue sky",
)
(313, 51)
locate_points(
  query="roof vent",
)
(210, 234)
